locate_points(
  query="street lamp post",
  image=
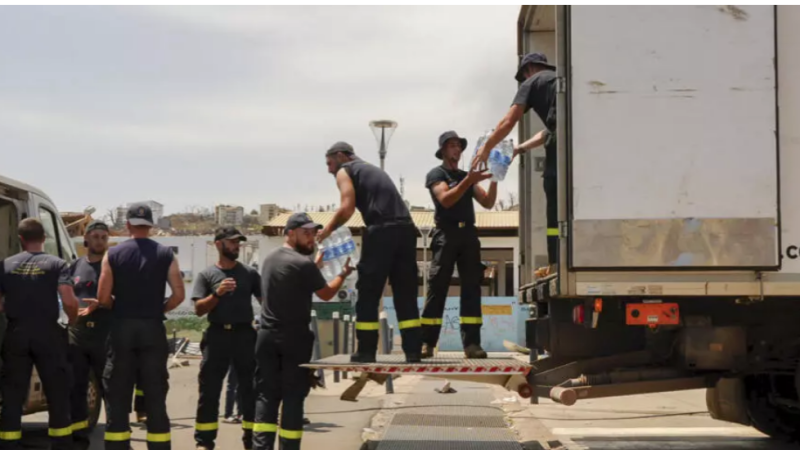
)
(425, 232)
(383, 130)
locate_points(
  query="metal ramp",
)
(438, 365)
(499, 369)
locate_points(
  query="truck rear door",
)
(672, 150)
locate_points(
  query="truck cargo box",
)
(677, 149)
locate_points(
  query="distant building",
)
(227, 215)
(122, 212)
(270, 211)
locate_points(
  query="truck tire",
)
(94, 399)
(777, 421)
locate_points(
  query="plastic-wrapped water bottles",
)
(499, 157)
(337, 249)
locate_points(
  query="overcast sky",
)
(204, 105)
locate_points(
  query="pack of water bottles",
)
(336, 250)
(499, 157)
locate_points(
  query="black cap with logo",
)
(96, 225)
(228, 233)
(140, 214)
(300, 220)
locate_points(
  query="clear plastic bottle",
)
(499, 157)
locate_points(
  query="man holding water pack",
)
(537, 92)
(455, 243)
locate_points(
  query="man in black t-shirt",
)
(455, 242)
(289, 278)
(537, 92)
(30, 285)
(88, 336)
(388, 250)
(225, 291)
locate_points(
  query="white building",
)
(227, 215)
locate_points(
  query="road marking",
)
(683, 432)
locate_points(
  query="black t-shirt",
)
(288, 281)
(463, 210)
(539, 93)
(141, 270)
(29, 284)
(85, 276)
(377, 198)
(235, 307)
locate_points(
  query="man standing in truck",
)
(225, 293)
(537, 92)
(136, 272)
(88, 336)
(30, 285)
(389, 250)
(455, 242)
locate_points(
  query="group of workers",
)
(116, 304)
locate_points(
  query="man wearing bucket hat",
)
(537, 92)
(455, 243)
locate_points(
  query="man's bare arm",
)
(329, 291)
(68, 302)
(502, 130)
(347, 207)
(176, 285)
(536, 141)
(487, 200)
(448, 197)
(204, 306)
(106, 284)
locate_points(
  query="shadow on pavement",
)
(320, 427)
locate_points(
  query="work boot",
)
(413, 357)
(412, 344)
(367, 347)
(474, 351)
(427, 350)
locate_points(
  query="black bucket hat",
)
(532, 58)
(447, 135)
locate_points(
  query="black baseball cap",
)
(300, 220)
(139, 214)
(532, 58)
(446, 136)
(96, 225)
(228, 233)
(340, 147)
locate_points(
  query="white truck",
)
(19, 201)
(679, 207)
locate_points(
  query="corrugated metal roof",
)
(422, 219)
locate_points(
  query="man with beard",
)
(289, 277)
(389, 250)
(224, 291)
(455, 242)
(88, 336)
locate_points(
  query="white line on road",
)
(667, 432)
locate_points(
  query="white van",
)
(19, 201)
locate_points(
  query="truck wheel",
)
(94, 400)
(767, 414)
